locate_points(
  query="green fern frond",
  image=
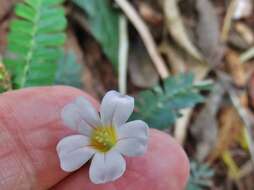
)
(160, 106)
(35, 41)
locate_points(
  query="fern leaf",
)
(35, 42)
(160, 106)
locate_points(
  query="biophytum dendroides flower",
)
(103, 137)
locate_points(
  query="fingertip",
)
(174, 156)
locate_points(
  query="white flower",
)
(105, 138)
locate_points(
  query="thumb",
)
(30, 128)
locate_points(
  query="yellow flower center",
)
(103, 138)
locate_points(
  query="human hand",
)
(31, 127)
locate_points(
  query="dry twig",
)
(146, 36)
(177, 29)
(123, 54)
(228, 20)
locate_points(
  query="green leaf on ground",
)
(69, 72)
(200, 176)
(104, 25)
(160, 106)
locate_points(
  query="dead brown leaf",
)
(142, 72)
(245, 32)
(235, 68)
(174, 57)
(204, 128)
(149, 14)
(176, 28)
(208, 32)
(231, 127)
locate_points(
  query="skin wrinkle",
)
(142, 177)
(22, 145)
(135, 178)
(5, 154)
(4, 178)
(41, 148)
(42, 144)
(84, 176)
(30, 132)
(138, 174)
(24, 172)
(27, 163)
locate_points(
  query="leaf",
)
(204, 128)
(35, 42)
(69, 71)
(230, 123)
(233, 169)
(191, 186)
(208, 32)
(247, 55)
(235, 68)
(160, 106)
(104, 25)
(200, 176)
(141, 70)
(177, 29)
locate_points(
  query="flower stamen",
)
(104, 138)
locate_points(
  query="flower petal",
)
(106, 167)
(73, 152)
(132, 138)
(88, 112)
(80, 115)
(116, 108)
